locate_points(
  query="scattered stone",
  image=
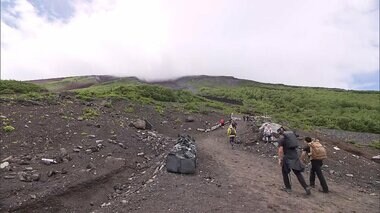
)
(51, 173)
(9, 177)
(4, 165)
(28, 169)
(152, 134)
(48, 161)
(80, 118)
(373, 194)
(124, 201)
(113, 137)
(331, 172)
(63, 152)
(336, 148)
(36, 177)
(99, 141)
(200, 129)
(91, 136)
(33, 196)
(112, 141)
(189, 119)
(376, 158)
(325, 166)
(23, 176)
(80, 147)
(105, 204)
(349, 175)
(7, 158)
(140, 153)
(76, 150)
(122, 145)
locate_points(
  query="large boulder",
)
(139, 124)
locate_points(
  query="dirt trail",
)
(262, 180)
(235, 180)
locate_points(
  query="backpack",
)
(317, 151)
(231, 131)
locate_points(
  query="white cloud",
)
(315, 43)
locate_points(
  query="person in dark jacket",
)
(315, 168)
(289, 160)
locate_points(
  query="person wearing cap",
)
(289, 160)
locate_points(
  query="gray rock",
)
(91, 136)
(189, 119)
(51, 173)
(36, 177)
(9, 177)
(63, 152)
(139, 124)
(76, 150)
(23, 176)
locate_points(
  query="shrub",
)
(129, 109)
(375, 144)
(18, 87)
(8, 128)
(89, 113)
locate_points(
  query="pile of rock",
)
(183, 156)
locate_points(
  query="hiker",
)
(288, 159)
(267, 133)
(221, 122)
(231, 133)
(317, 153)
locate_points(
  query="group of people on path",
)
(289, 159)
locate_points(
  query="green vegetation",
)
(129, 109)
(89, 113)
(150, 95)
(375, 144)
(10, 87)
(68, 83)
(307, 107)
(8, 128)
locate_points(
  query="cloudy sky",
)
(327, 43)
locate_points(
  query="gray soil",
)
(130, 175)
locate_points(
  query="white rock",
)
(4, 165)
(336, 148)
(349, 175)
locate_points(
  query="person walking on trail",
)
(316, 153)
(288, 159)
(231, 133)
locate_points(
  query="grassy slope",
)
(301, 107)
(304, 107)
